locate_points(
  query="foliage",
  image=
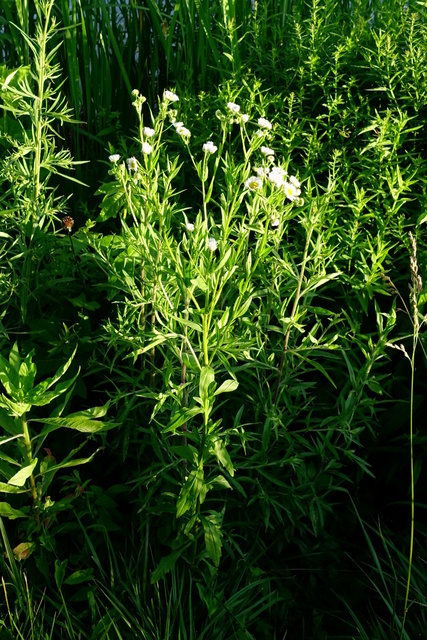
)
(230, 286)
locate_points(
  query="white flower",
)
(253, 183)
(235, 108)
(292, 192)
(135, 93)
(244, 117)
(294, 181)
(276, 176)
(146, 147)
(262, 172)
(209, 147)
(114, 158)
(190, 226)
(149, 132)
(132, 164)
(172, 97)
(212, 244)
(267, 151)
(264, 124)
(178, 124)
(183, 132)
(259, 133)
(275, 222)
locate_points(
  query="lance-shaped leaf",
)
(20, 478)
(6, 511)
(7, 423)
(73, 462)
(213, 535)
(193, 489)
(8, 488)
(218, 449)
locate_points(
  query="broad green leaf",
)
(227, 387)
(16, 409)
(78, 423)
(6, 511)
(8, 488)
(194, 489)
(218, 449)
(182, 416)
(207, 376)
(80, 576)
(19, 479)
(213, 535)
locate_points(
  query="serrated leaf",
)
(20, 478)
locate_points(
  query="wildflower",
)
(275, 222)
(146, 148)
(276, 176)
(253, 183)
(148, 132)
(244, 117)
(209, 147)
(172, 97)
(212, 244)
(235, 108)
(68, 223)
(132, 164)
(135, 93)
(262, 172)
(183, 132)
(267, 151)
(114, 158)
(190, 227)
(292, 192)
(294, 181)
(259, 133)
(264, 124)
(178, 124)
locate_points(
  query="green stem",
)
(411, 444)
(293, 313)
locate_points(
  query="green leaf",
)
(73, 462)
(213, 535)
(227, 387)
(20, 478)
(6, 511)
(182, 416)
(165, 565)
(60, 568)
(78, 577)
(7, 488)
(218, 449)
(207, 376)
(16, 409)
(193, 489)
(7, 423)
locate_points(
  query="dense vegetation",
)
(212, 330)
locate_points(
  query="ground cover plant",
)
(212, 346)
